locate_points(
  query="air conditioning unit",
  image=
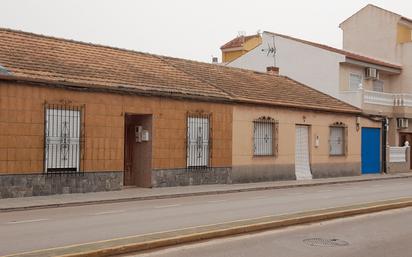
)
(402, 123)
(371, 73)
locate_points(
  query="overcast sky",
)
(184, 28)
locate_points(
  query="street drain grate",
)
(325, 242)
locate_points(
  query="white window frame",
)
(359, 86)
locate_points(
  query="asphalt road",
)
(385, 234)
(47, 228)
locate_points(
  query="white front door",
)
(302, 166)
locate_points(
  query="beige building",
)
(372, 72)
(385, 35)
(286, 130)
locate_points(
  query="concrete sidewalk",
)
(139, 194)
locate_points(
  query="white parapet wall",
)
(398, 159)
(398, 154)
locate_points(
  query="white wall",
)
(307, 64)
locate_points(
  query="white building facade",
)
(373, 72)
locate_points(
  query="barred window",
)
(198, 140)
(63, 138)
(264, 137)
(338, 139)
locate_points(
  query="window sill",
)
(260, 156)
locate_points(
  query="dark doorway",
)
(138, 150)
(403, 137)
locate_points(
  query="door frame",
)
(309, 127)
(141, 167)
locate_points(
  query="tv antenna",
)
(271, 50)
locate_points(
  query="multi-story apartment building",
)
(373, 71)
(386, 35)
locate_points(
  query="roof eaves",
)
(301, 107)
(113, 89)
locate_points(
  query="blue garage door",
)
(371, 158)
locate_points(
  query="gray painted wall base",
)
(188, 177)
(332, 170)
(23, 185)
(39, 184)
(260, 173)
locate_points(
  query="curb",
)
(136, 244)
(179, 195)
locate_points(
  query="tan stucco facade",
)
(22, 128)
(282, 165)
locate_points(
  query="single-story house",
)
(81, 117)
(283, 129)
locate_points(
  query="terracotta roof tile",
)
(251, 86)
(237, 42)
(41, 57)
(57, 60)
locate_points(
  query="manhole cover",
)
(325, 242)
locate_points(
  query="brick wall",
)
(22, 128)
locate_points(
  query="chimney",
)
(272, 70)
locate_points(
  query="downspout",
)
(385, 125)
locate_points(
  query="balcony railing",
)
(359, 97)
(379, 98)
(403, 100)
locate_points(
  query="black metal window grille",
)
(338, 139)
(198, 140)
(265, 132)
(63, 138)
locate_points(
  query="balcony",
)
(380, 103)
